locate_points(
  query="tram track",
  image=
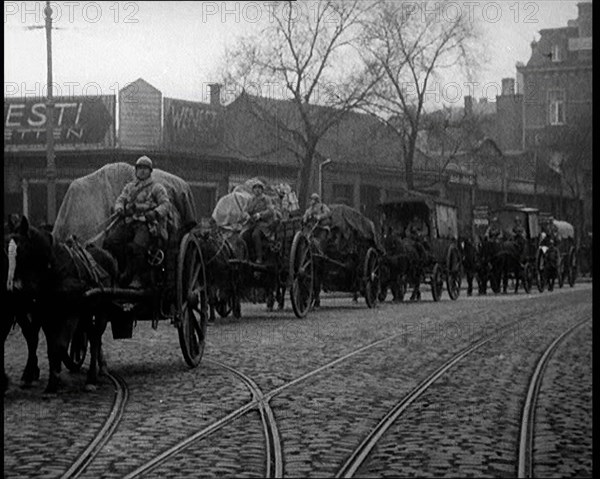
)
(362, 452)
(526, 438)
(106, 431)
(266, 397)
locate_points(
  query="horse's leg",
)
(469, 282)
(31, 329)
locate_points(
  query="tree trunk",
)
(408, 163)
(305, 173)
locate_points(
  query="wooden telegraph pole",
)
(50, 159)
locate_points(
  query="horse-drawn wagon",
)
(439, 254)
(339, 255)
(242, 277)
(177, 284)
(518, 251)
(557, 255)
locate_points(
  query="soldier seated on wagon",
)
(142, 208)
(493, 231)
(319, 214)
(418, 231)
(261, 215)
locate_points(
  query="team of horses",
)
(45, 283)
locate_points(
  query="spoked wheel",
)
(371, 276)
(191, 301)
(437, 282)
(301, 274)
(572, 267)
(527, 278)
(77, 350)
(540, 274)
(454, 277)
(561, 271)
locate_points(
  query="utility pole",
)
(50, 159)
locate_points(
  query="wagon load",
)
(230, 209)
(88, 203)
(564, 230)
(353, 225)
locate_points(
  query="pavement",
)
(466, 424)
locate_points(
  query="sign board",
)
(190, 125)
(462, 179)
(79, 123)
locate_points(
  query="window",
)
(556, 53)
(343, 194)
(556, 102)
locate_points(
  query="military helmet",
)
(258, 183)
(315, 196)
(143, 161)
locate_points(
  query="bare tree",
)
(413, 43)
(307, 55)
(570, 148)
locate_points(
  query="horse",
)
(469, 252)
(403, 266)
(18, 308)
(57, 275)
(507, 261)
(217, 250)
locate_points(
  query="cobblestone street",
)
(466, 423)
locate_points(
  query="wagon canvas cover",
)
(86, 208)
(349, 220)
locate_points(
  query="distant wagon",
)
(440, 217)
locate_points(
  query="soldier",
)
(142, 208)
(317, 211)
(417, 231)
(493, 231)
(261, 214)
(518, 230)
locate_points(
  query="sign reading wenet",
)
(79, 123)
(189, 125)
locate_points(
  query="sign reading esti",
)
(79, 123)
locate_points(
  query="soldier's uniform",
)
(262, 212)
(143, 206)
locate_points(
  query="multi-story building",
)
(557, 109)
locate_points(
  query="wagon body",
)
(177, 270)
(341, 255)
(441, 220)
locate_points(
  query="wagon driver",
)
(261, 214)
(318, 212)
(142, 208)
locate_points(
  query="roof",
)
(269, 129)
(517, 207)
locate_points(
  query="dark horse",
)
(401, 267)
(18, 309)
(224, 287)
(481, 261)
(56, 275)
(509, 261)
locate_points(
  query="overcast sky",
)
(176, 46)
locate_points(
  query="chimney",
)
(215, 94)
(508, 86)
(584, 19)
(468, 105)
(520, 79)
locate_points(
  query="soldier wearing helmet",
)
(493, 231)
(260, 214)
(317, 211)
(142, 208)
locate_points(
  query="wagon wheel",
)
(572, 267)
(527, 278)
(437, 282)
(371, 274)
(77, 350)
(301, 274)
(454, 268)
(540, 273)
(561, 271)
(191, 301)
